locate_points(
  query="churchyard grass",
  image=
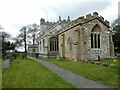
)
(112, 61)
(26, 73)
(0, 73)
(105, 75)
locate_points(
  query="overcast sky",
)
(15, 14)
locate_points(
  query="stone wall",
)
(80, 31)
(31, 52)
(103, 51)
(63, 43)
(43, 49)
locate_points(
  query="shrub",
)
(105, 64)
(97, 62)
(86, 61)
(92, 62)
(113, 65)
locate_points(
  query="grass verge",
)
(105, 75)
(0, 73)
(26, 73)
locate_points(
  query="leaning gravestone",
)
(6, 64)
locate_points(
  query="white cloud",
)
(111, 12)
(16, 13)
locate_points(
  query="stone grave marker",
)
(58, 56)
(6, 64)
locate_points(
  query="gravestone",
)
(6, 64)
(58, 56)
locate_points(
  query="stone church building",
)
(85, 38)
(47, 38)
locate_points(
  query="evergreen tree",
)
(116, 34)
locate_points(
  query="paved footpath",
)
(75, 79)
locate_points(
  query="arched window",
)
(95, 37)
(53, 44)
(70, 44)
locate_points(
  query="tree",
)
(5, 36)
(32, 30)
(22, 37)
(26, 34)
(116, 34)
(6, 45)
(1, 27)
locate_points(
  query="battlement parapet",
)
(88, 16)
(107, 22)
(82, 17)
(95, 14)
(101, 18)
(71, 23)
(91, 16)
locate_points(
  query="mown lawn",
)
(105, 75)
(0, 73)
(26, 73)
(112, 61)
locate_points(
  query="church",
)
(85, 38)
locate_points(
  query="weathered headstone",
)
(58, 56)
(6, 64)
